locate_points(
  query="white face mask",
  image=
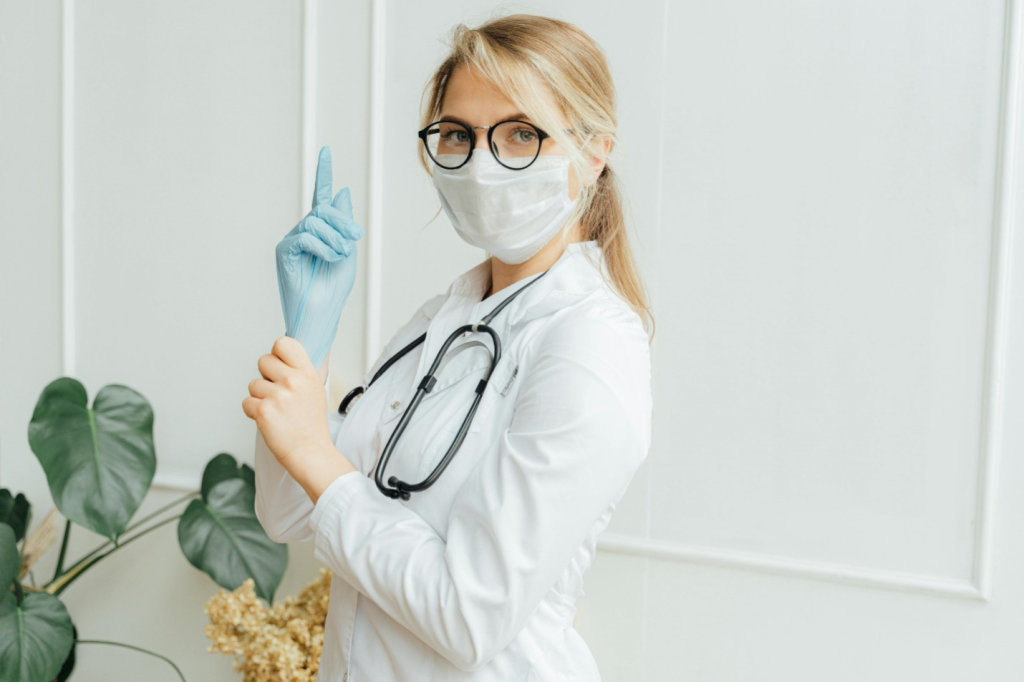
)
(511, 214)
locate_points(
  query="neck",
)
(505, 274)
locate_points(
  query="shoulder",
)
(420, 319)
(603, 338)
(602, 325)
(432, 305)
(416, 325)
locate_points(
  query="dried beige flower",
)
(40, 540)
(282, 642)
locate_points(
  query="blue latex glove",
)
(316, 266)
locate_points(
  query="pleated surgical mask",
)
(511, 214)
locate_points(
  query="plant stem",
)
(134, 525)
(72, 574)
(160, 511)
(63, 549)
(129, 646)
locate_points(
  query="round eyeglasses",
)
(514, 144)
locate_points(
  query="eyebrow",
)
(517, 116)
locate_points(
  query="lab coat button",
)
(394, 405)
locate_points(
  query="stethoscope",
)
(401, 488)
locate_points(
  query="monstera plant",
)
(99, 462)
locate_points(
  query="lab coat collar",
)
(579, 270)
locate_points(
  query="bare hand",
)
(289, 404)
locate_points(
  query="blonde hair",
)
(511, 52)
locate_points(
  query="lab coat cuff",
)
(337, 495)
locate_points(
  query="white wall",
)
(822, 197)
(139, 249)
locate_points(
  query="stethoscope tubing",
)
(401, 488)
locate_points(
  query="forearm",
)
(319, 469)
(394, 557)
(282, 507)
(283, 504)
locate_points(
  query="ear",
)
(604, 146)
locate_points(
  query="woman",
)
(475, 576)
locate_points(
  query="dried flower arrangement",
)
(282, 642)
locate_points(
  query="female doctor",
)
(475, 575)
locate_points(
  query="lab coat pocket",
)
(461, 360)
(448, 410)
(498, 389)
(427, 432)
(458, 401)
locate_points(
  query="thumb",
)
(343, 201)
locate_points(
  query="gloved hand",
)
(316, 266)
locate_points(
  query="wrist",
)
(325, 368)
(321, 468)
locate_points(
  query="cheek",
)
(574, 183)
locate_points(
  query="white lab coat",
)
(476, 578)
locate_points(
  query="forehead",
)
(471, 97)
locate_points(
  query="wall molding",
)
(169, 478)
(803, 568)
(1000, 279)
(67, 187)
(979, 586)
(375, 211)
(307, 126)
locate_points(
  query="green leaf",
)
(224, 467)
(99, 462)
(221, 536)
(10, 558)
(35, 637)
(15, 512)
(69, 662)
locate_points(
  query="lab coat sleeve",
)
(282, 505)
(580, 431)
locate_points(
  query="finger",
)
(309, 242)
(343, 201)
(249, 406)
(260, 388)
(322, 192)
(293, 354)
(327, 233)
(271, 367)
(338, 220)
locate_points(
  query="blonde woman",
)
(457, 495)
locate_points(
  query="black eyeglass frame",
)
(422, 134)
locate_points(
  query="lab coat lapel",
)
(461, 296)
(575, 274)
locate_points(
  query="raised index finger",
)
(322, 192)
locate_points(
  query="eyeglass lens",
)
(513, 143)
